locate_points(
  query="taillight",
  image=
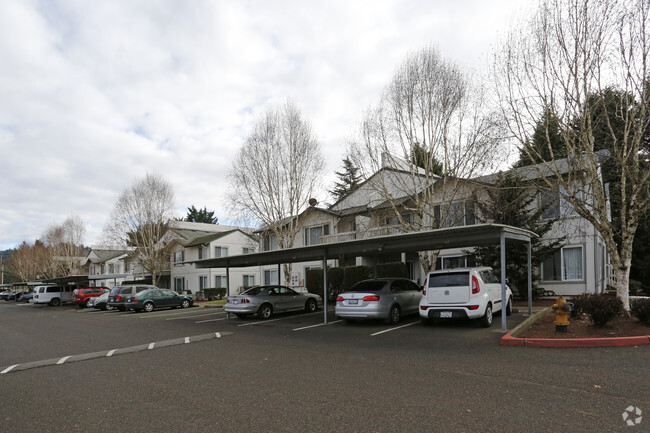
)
(134, 299)
(475, 286)
(339, 299)
(371, 298)
(424, 291)
(119, 298)
(473, 307)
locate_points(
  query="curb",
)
(511, 339)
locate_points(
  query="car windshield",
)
(254, 291)
(368, 286)
(115, 290)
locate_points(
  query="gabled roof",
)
(102, 255)
(193, 238)
(286, 220)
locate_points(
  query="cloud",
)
(96, 94)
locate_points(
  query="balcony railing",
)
(365, 234)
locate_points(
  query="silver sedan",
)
(267, 300)
(382, 298)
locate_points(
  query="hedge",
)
(392, 270)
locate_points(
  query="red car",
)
(82, 295)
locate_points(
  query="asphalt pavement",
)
(293, 373)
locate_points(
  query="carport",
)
(452, 237)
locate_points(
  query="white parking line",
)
(315, 326)
(275, 320)
(62, 360)
(151, 346)
(196, 315)
(211, 320)
(393, 329)
(111, 352)
(8, 369)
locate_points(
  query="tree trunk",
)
(622, 273)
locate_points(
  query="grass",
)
(217, 302)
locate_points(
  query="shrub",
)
(354, 274)
(640, 308)
(602, 308)
(314, 279)
(394, 269)
(335, 281)
(579, 304)
(212, 293)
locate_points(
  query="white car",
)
(464, 293)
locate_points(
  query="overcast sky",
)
(95, 94)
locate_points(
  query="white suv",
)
(463, 293)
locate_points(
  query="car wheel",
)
(486, 320)
(394, 315)
(86, 303)
(311, 305)
(185, 303)
(265, 311)
(55, 302)
(148, 307)
(509, 307)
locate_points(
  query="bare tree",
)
(65, 245)
(276, 172)
(430, 128)
(29, 262)
(565, 60)
(140, 218)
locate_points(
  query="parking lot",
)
(197, 370)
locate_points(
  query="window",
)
(313, 234)
(111, 268)
(220, 252)
(271, 276)
(393, 220)
(220, 281)
(249, 280)
(247, 250)
(203, 253)
(453, 262)
(270, 243)
(203, 282)
(453, 215)
(179, 256)
(555, 205)
(179, 284)
(564, 265)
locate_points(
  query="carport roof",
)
(452, 237)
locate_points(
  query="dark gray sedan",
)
(382, 298)
(267, 300)
(149, 300)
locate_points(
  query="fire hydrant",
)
(562, 309)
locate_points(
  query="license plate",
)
(446, 315)
(352, 301)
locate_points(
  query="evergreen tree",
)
(509, 202)
(349, 180)
(200, 216)
(426, 160)
(541, 150)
